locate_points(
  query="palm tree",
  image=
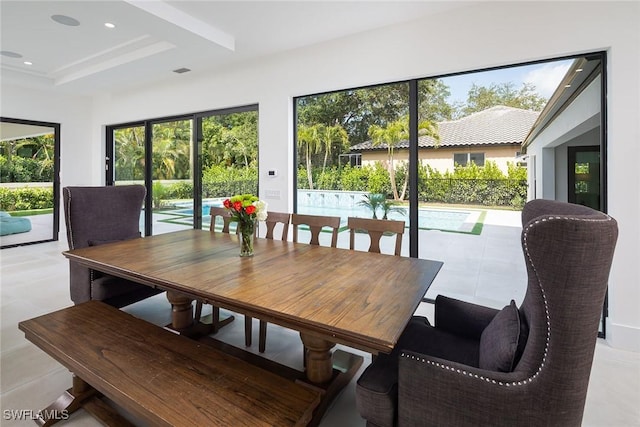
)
(309, 141)
(373, 201)
(129, 156)
(241, 141)
(389, 206)
(330, 135)
(391, 135)
(327, 137)
(171, 150)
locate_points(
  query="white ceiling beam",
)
(144, 52)
(183, 20)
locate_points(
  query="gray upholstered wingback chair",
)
(98, 215)
(526, 366)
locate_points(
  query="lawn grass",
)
(32, 212)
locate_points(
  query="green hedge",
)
(217, 181)
(465, 185)
(472, 184)
(25, 169)
(20, 199)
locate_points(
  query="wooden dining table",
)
(359, 299)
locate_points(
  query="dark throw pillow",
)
(499, 340)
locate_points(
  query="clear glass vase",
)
(246, 233)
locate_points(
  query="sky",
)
(545, 77)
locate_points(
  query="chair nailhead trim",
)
(546, 308)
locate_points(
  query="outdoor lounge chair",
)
(13, 225)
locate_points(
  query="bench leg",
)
(81, 395)
(69, 402)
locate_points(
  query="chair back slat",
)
(316, 224)
(376, 228)
(224, 214)
(275, 218)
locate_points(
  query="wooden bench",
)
(160, 377)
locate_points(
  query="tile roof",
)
(495, 125)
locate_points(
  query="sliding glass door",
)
(452, 151)
(29, 181)
(183, 161)
(229, 158)
(172, 175)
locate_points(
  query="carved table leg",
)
(319, 367)
(181, 311)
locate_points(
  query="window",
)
(407, 134)
(464, 159)
(351, 159)
(187, 163)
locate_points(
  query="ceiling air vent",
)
(181, 70)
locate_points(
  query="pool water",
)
(449, 220)
(427, 218)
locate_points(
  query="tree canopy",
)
(481, 97)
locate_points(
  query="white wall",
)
(480, 36)
(582, 117)
(74, 116)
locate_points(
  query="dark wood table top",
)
(360, 299)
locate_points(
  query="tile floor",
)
(487, 269)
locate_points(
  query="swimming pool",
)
(434, 219)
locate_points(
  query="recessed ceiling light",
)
(28, 63)
(10, 54)
(109, 25)
(65, 20)
(181, 70)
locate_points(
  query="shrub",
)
(465, 185)
(354, 178)
(25, 169)
(18, 199)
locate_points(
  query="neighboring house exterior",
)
(565, 145)
(495, 134)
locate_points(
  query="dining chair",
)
(516, 366)
(273, 219)
(96, 216)
(376, 228)
(223, 213)
(316, 223)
